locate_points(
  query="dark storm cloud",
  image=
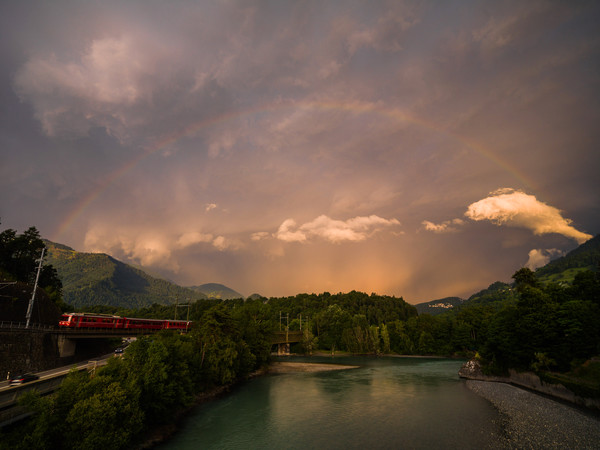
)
(305, 146)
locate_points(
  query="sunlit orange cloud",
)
(447, 226)
(518, 209)
(514, 208)
(354, 230)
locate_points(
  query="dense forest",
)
(156, 377)
(513, 329)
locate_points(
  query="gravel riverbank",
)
(532, 421)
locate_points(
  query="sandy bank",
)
(292, 367)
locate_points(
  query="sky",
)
(420, 149)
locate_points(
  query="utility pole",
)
(37, 277)
(187, 321)
(188, 311)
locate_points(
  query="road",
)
(47, 383)
(59, 371)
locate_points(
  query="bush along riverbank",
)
(561, 386)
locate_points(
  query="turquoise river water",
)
(385, 403)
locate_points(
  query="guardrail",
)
(23, 326)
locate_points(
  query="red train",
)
(86, 320)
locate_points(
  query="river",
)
(384, 403)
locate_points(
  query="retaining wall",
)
(529, 380)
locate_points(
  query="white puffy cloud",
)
(260, 235)
(353, 230)
(220, 242)
(286, 232)
(192, 238)
(540, 257)
(517, 209)
(447, 226)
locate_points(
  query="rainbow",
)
(349, 107)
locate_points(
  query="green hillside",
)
(495, 292)
(216, 290)
(561, 270)
(98, 279)
(564, 269)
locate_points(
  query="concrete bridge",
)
(64, 338)
(283, 339)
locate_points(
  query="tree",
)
(332, 321)
(18, 261)
(385, 338)
(256, 329)
(107, 419)
(222, 351)
(586, 286)
(159, 367)
(525, 277)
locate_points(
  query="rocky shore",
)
(471, 370)
(533, 421)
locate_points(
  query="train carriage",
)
(87, 320)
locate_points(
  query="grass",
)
(566, 276)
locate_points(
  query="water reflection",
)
(385, 403)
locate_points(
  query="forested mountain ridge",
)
(216, 290)
(99, 279)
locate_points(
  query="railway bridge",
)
(283, 339)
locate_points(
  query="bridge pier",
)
(283, 339)
(66, 346)
(283, 348)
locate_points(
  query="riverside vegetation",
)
(549, 328)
